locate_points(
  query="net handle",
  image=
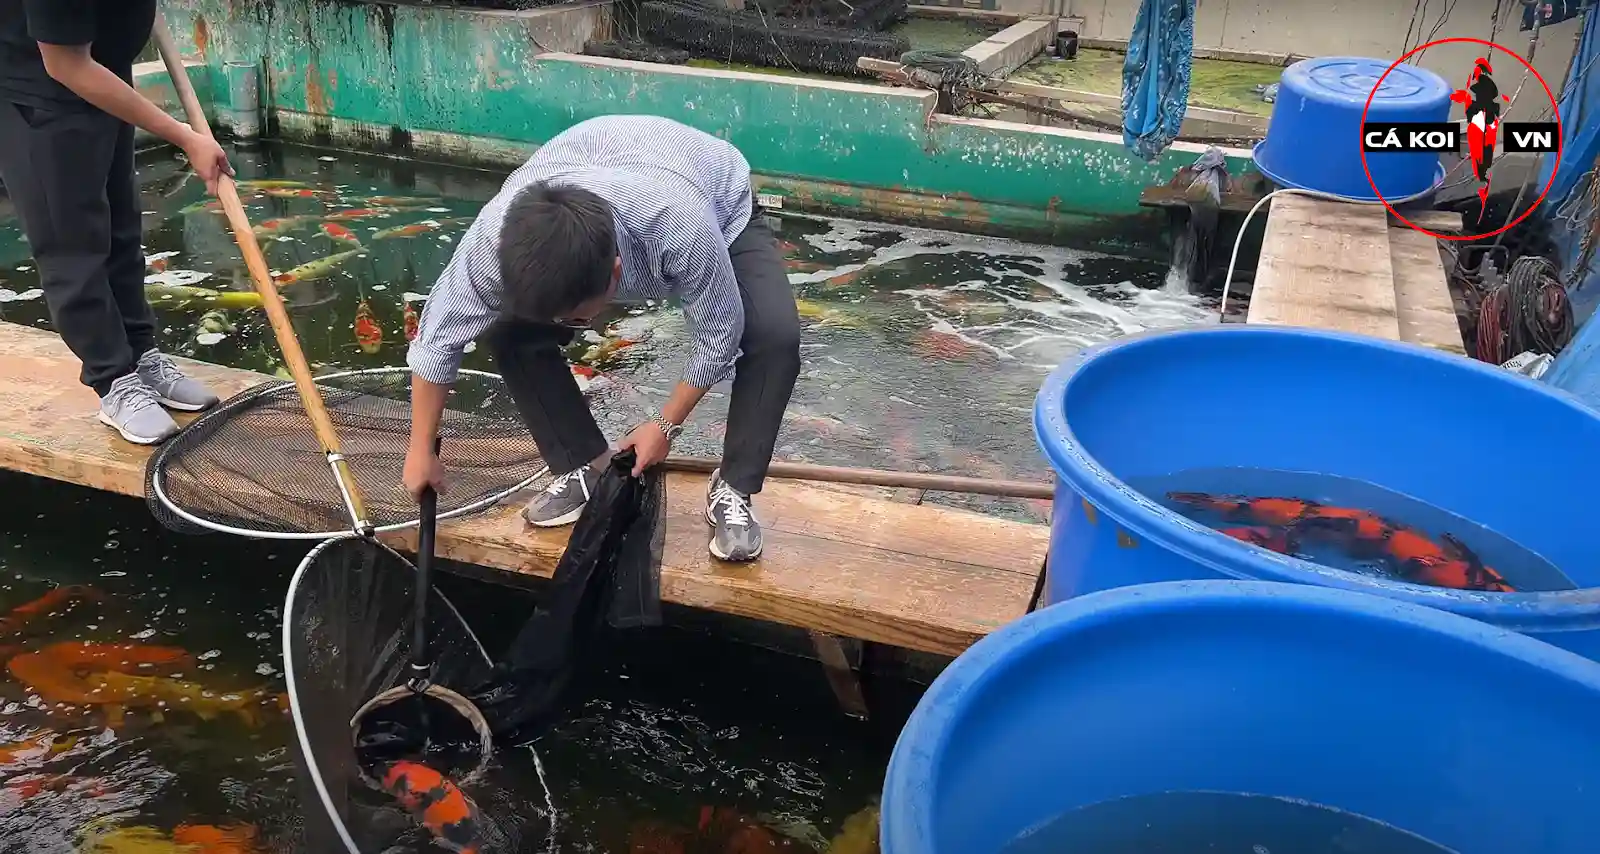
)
(282, 328)
(427, 526)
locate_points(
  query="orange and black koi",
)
(22, 615)
(1273, 539)
(369, 335)
(437, 803)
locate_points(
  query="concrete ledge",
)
(1012, 47)
(151, 79)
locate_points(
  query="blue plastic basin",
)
(1313, 139)
(1474, 439)
(1479, 740)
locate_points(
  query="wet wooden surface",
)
(843, 562)
(1325, 264)
(1423, 304)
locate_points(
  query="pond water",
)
(922, 350)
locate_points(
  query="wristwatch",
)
(668, 429)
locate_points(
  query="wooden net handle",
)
(282, 328)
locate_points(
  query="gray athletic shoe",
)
(562, 502)
(171, 386)
(735, 533)
(134, 410)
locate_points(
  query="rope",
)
(1528, 313)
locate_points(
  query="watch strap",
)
(668, 429)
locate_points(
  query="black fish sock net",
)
(252, 465)
(609, 575)
(348, 620)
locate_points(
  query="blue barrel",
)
(1473, 439)
(1478, 740)
(1313, 139)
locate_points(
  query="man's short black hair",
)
(558, 250)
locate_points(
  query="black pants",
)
(71, 179)
(536, 372)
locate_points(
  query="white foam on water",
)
(181, 278)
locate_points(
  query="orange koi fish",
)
(211, 839)
(842, 280)
(369, 335)
(290, 193)
(652, 838)
(437, 803)
(273, 227)
(339, 234)
(356, 213)
(411, 321)
(411, 230)
(934, 344)
(44, 606)
(397, 201)
(123, 657)
(39, 745)
(27, 786)
(729, 831)
(115, 690)
(1272, 539)
(1418, 559)
(270, 185)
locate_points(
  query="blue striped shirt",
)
(679, 196)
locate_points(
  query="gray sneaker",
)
(562, 502)
(134, 410)
(171, 386)
(735, 533)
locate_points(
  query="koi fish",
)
(1417, 558)
(1272, 539)
(823, 315)
(411, 320)
(40, 745)
(123, 657)
(211, 839)
(273, 227)
(364, 213)
(290, 193)
(437, 803)
(315, 269)
(44, 606)
(588, 377)
(26, 787)
(213, 206)
(339, 234)
(652, 838)
(116, 692)
(858, 834)
(1259, 511)
(732, 832)
(937, 344)
(417, 228)
(184, 296)
(399, 201)
(100, 837)
(158, 263)
(271, 185)
(606, 350)
(842, 280)
(369, 335)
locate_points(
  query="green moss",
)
(1215, 83)
(952, 34)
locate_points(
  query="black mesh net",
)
(348, 619)
(253, 464)
(708, 29)
(638, 51)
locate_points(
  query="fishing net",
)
(708, 29)
(348, 621)
(638, 51)
(253, 465)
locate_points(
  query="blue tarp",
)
(1577, 368)
(1155, 76)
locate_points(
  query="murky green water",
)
(922, 350)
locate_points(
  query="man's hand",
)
(422, 471)
(649, 446)
(207, 159)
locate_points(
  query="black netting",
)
(707, 29)
(253, 463)
(348, 619)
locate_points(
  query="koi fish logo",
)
(1482, 100)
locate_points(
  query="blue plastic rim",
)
(1313, 140)
(1479, 740)
(1474, 439)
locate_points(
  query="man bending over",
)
(629, 208)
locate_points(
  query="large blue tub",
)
(1480, 740)
(1498, 449)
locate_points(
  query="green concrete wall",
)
(474, 86)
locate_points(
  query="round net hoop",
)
(251, 466)
(346, 631)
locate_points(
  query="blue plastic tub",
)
(1479, 740)
(1313, 139)
(1496, 448)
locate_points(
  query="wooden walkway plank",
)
(1423, 306)
(915, 576)
(1326, 264)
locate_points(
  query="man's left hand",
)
(649, 446)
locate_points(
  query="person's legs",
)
(540, 381)
(764, 378)
(125, 274)
(56, 167)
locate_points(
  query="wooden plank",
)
(1326, 264)
(920, 577)
(1443, 222)
(1424, 307)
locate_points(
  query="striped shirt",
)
(679, 196)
